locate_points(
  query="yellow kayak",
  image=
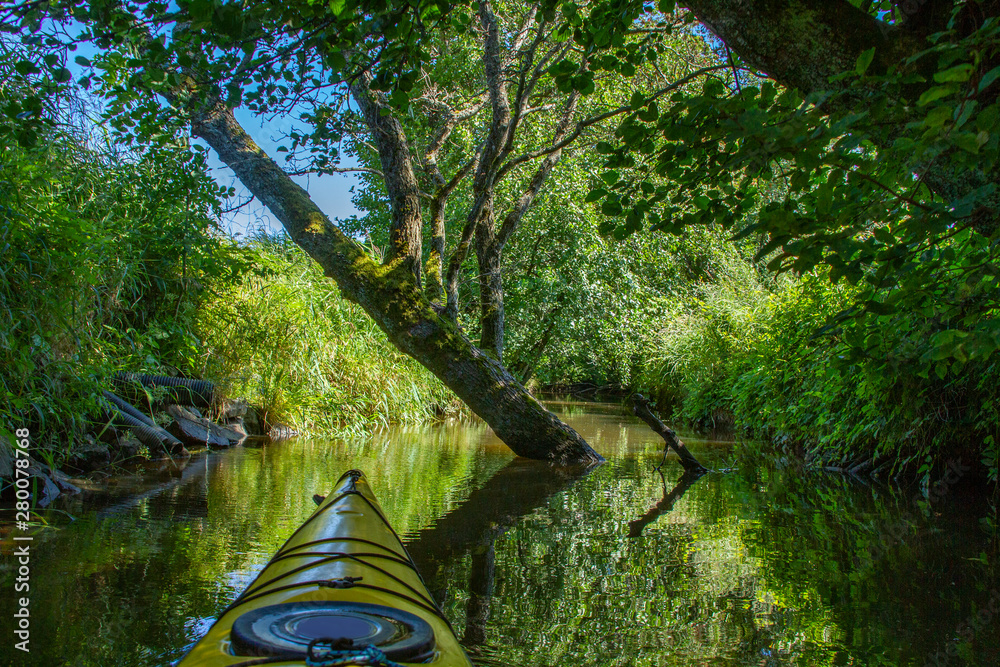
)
(341, 591)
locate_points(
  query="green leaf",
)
(337, 6)
(564, 67)
(824, 199)
(934, 94)
(879, 308)
(989, 78)
(612, 207)
(864, 61)
(713, 87)
(968, 142)
(958, 73)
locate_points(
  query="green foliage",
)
(103, 257)
(113, 261)
(885, 187)
(899, 195)
(284, 338)
(710, 323)
(750, 354)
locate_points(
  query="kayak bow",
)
(341, 591)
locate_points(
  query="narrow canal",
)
(766, 565)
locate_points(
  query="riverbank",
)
(876, 392)
(115, 262)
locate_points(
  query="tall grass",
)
(99, 253)
(284, 338)
(714, 324)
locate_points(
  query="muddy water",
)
(766, 565)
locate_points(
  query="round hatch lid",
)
(288, 629)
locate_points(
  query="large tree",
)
(363, 71)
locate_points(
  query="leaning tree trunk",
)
(391, 295)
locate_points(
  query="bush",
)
(752, 353)
(101, 262)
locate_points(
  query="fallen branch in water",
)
(640, 408)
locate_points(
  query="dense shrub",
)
(102, 261)
(756, 354)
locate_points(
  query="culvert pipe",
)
(147, 432)
(179, 390)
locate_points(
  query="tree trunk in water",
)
(391, 295)
(640, 408)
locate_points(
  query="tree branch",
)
(593, 120)
(640, 408)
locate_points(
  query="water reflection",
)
(666, 503)
(535, 565)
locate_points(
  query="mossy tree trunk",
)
(391, 293)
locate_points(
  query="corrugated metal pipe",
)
(180, 390)
(144, 428)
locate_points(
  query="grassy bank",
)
(743, 351)
(283, 337)
(114, 261)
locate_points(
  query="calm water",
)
(767, 565)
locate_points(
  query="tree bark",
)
(400, 180)
(491, 315)
(391, 295)
(802, 43)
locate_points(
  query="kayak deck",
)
(342, 581)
